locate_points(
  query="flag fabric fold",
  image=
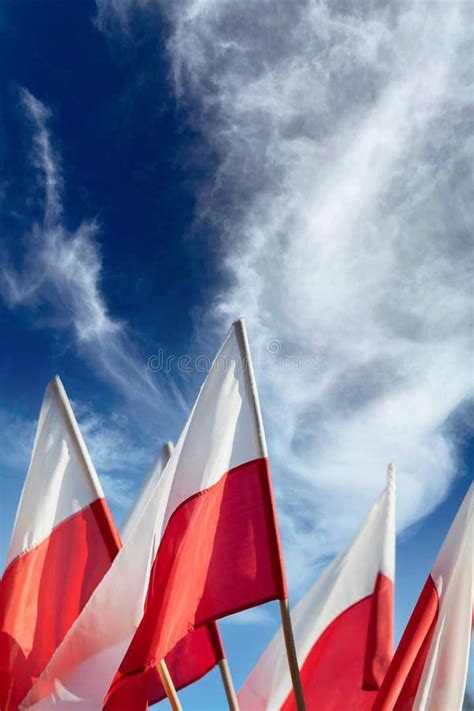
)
(343, 627)
(199, 651)
(190, 659)
(205, 545)
(63, 542)
(429, 668)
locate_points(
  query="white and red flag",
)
(63, 542)
(429, 668)
(206, 545)
(343, 627)
(200, 650)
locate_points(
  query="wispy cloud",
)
(342, 204)
(108, 439)
(118, 491)
(116, 452)
(62, 273)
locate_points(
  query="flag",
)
(63, 542)
(199, 651)
(343, 626)
(205, 546)
(429, 669)
(189, 660)
(146, 491)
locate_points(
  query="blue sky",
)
(168, 167)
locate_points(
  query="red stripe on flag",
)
(44, 590)
(220, 554)
(106, 526)
(379, 647)
(333, 672)
(400, 684)
(189, 660)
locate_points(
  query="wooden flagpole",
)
(168, 686)
(162, 667)
(291, 654)
(242, 340)
(228, 685)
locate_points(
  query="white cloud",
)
(342, 201)
(45, 160)
(118, 491)
(109, 442)
(61, 278)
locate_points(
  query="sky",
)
(167, 167)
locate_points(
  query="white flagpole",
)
(241, 335)
(62, 402)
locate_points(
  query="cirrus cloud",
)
(340, 205)
(61, 276)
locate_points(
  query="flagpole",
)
(224, 669)
(63, 402)
(162, 667)
(223, 665)
(291, 654)
(242, 340)
(58, 393)
(168, 686)
(56, 388)
(228, 685)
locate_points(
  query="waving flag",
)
(63, 542)
(206, 545)
(343, 626)
(429, 668)
(146, 491)
(199, 651)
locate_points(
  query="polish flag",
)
(189, 660)
(201, 650)
(343, 627)
(206, 545)
(63, 542)
(429, 669)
